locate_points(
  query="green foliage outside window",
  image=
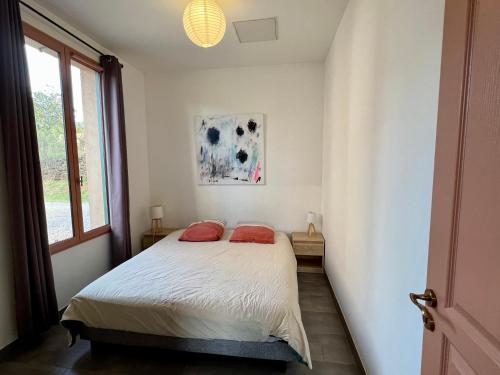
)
(52, 146)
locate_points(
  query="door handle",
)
(430, 300)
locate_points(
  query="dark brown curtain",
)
(36, 305)
(121, 248)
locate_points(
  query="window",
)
(66, 91)
(86, 94)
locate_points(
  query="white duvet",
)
(203, 290)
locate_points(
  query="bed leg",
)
(283, 367)
(280, 366)
(97, 348)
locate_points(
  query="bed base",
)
(273, 351)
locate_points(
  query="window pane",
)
(45, 79)
(90, 140)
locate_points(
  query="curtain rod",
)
(60, 27)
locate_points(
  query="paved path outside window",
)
(59, 221)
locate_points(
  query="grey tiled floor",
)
(329, 349)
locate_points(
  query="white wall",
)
(291, 98)
(76, 267)
(137, 152)
(79, 266)
(381, 95)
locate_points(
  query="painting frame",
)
(230, 149)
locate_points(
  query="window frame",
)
(66, 55)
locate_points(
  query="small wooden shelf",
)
(310, 264)
(309, 251)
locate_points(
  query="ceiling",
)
(149, 33)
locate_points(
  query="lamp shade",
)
(156, 212)
(204, 22)
(311, 216)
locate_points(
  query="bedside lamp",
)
(156, 216)
(311, 216)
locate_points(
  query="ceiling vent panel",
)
(261, 30)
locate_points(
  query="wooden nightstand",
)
(148, 238)
(309, 251)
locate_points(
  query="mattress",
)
(204, 290)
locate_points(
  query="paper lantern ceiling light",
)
(204, 22)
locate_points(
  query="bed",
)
(238, 299)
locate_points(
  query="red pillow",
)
(253, 233)
(203, 231)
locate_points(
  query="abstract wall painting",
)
(230, 149)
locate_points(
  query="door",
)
(464, 249)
